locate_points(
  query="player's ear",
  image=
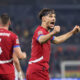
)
(0, 21)
(43, 19)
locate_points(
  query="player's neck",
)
(4, 26)
(44, 26)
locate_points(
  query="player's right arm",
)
(43, 38)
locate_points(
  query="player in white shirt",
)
(18, 71)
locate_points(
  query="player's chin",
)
(52, 26)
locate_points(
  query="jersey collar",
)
(43, 28)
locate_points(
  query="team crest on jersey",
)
(17, 41)
(40, 32)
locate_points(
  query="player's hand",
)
(56, 29)
(24, 55)
(76, 29)
(20, 76)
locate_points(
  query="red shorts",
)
(7, 76)
(37, 72)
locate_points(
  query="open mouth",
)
(52, 23)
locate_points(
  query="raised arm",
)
(66, 36)
(44, 38)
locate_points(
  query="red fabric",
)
(38, 49)
(7, 77)
(37, 73)
(7, 41)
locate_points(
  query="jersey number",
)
(0, 48)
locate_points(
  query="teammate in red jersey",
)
(40, 55)
(18, 71)
(8, 43)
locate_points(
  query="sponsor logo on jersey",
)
(40, 32)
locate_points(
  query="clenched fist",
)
(56, 29)
(76, 29)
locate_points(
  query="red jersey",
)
(40, 52)
(8, 41)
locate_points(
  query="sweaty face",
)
(50, 21)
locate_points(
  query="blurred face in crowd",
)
(49, 20)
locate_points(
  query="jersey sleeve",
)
(52, 38)
(38, 34)
(16, 42)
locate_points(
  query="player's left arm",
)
(17, 48)
(66, 36)
(16, 62)
(17, 65)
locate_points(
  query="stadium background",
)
(24, 19)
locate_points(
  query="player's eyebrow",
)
(52, 15)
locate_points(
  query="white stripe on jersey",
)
(36, 60)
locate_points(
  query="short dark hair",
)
(45, 12)
(4, 18)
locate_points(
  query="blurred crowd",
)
(62, 53)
